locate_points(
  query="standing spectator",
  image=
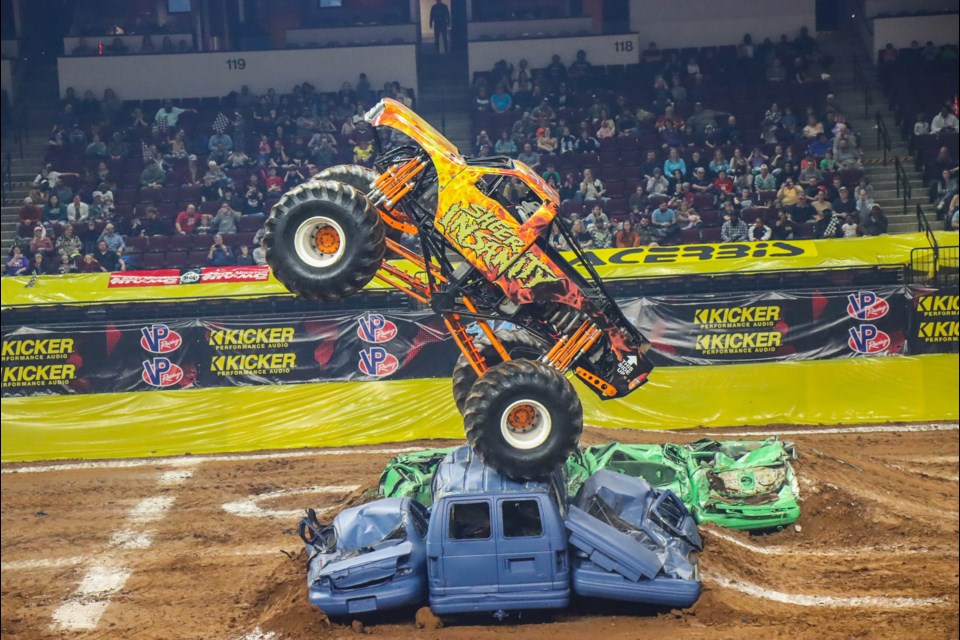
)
(187, 220)
(219, 254)
(734, 229)
(16, 263)
(440, 23)
(168, 116)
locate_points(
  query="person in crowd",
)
(627, 236)
(664, 220)
(226, 220)
(649, 235)
(55, 211)
(784, 227)
(601, 234)
(244, 258)
(153, 175)
(187, 220)
(16, 263)
(944, 121)
(219, 254)
(580, 233)
(89, 264)
(759, 231)
(260, 255)
(107, 259)
(529, 157)
(168, 116)
(77, 211)
(591, 188)
(69, 246)
(875, 223)
(40, 242)
(734, 229)
(850, 227)
(844, 204)
(28, 217)
(113, 240)
(39, 266)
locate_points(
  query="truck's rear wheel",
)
(523, 418)
(519, 344)
(324, 240)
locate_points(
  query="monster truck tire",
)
(359, 177)
(523, 418)
(519, 344)
(324, 240)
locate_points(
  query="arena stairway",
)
(840, 45)
(24, 146)
(444, 98)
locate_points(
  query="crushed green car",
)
(410, 475)
(743, 484)
(748, 485)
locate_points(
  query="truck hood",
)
(365, 568)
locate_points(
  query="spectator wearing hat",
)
(97, 209)
(29, 216)
(734, 229)
(41, 242)
(844, 204)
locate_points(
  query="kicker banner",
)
(684, 330)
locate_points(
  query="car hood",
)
(362, 569)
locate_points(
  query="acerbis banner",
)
(684, 330)
(611, 264)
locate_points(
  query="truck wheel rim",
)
(319, 242)
(525, 424)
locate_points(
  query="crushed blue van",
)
(493, 544)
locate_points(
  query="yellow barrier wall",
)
(849, 391)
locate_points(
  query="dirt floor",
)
(205, 547)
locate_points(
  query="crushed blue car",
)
(371, 558)
(493, 544)
(633, 542)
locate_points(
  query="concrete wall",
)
(133, 43)
(521, 28)
(616, 49)
(699, 23)
(873, 7)
(384, 33)
(218, 73)
(941, 29)
(6, 79)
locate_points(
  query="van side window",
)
(469, 521)
(521, 519)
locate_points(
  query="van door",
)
(524, 546)
(468, 562)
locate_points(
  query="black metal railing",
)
(933, 265)
(883, 137)
(7, 173)
(860, 82)
(904, 188)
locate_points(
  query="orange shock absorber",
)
(566, 351)
(394, 183)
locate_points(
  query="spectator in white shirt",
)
(77, 210)
(944, 121)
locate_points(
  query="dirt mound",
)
(282, 606)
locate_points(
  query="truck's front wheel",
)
(523, 418)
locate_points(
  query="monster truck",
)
(479, 256)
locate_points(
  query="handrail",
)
(924, 226)
(8, 172)
(860, 82)
(883, 138)
(904, 188)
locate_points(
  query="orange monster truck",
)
(482, 256)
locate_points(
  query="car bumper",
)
(507, 601)
(393, 594)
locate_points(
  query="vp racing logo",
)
(866, 305)
(159, 338)
(374, 328)
(160, 372)
(376, 361)
(866, 338)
